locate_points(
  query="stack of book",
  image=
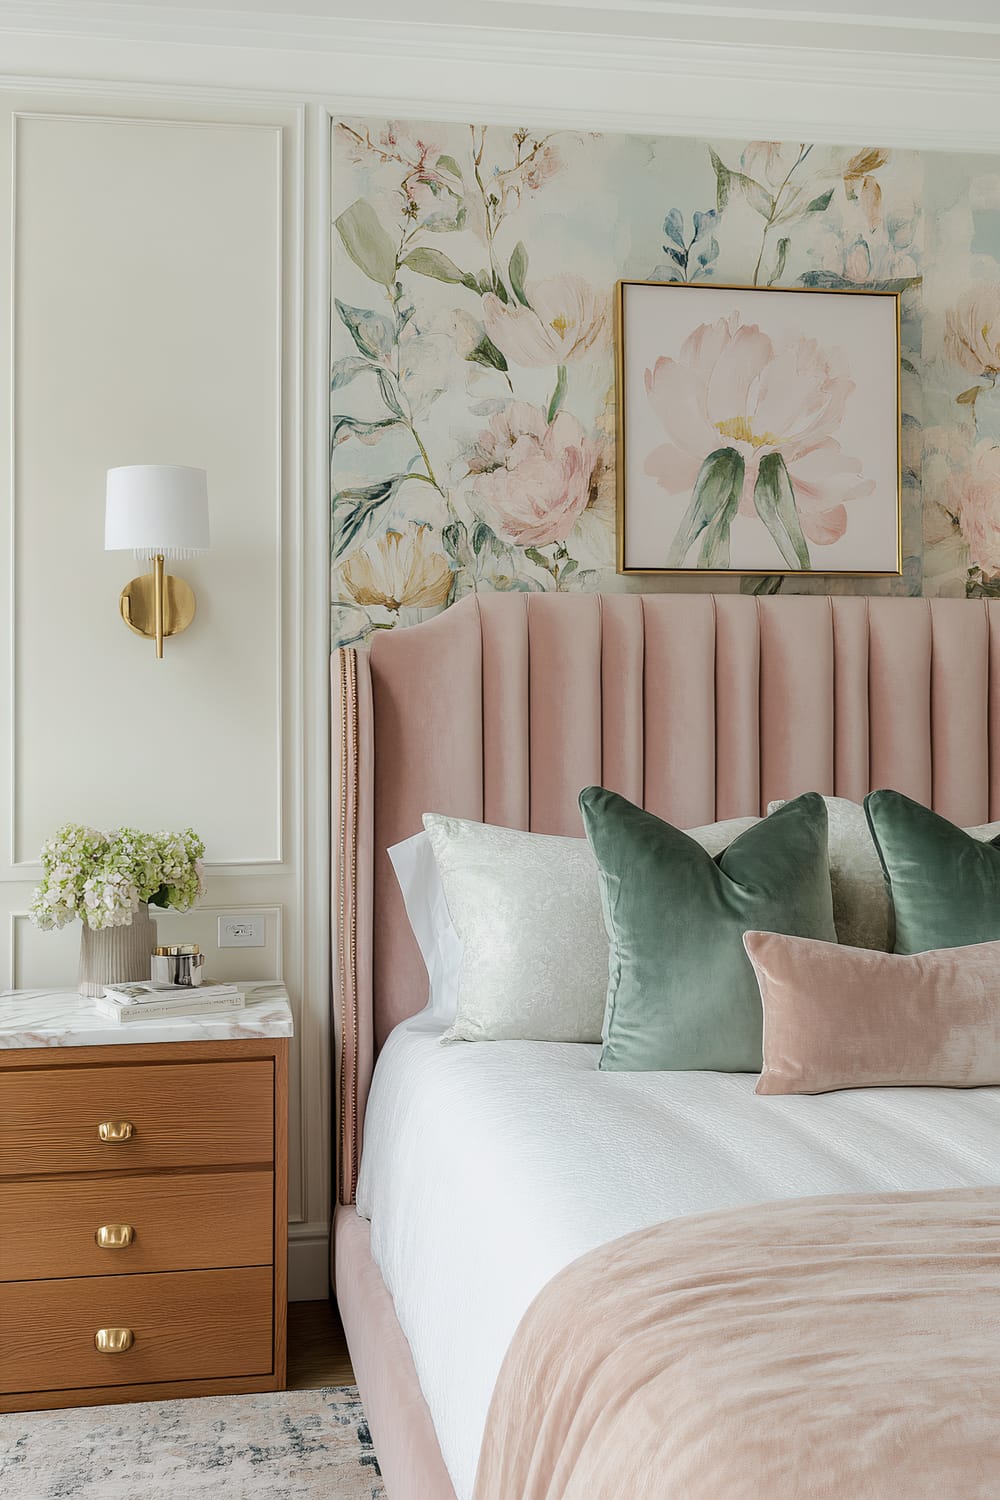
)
(150, 1000)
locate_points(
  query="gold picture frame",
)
(885, 526)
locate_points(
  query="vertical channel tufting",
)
(796, 697)
(695, 707)
(679, 707)
(899, 687)
(737, 706)
(960, 668)
(506, 774)
(850, 698)
(622, 650)
(426, 705)
(564, 694)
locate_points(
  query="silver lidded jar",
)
(178, 963)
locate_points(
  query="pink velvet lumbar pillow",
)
(851, 1018)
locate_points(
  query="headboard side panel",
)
(697, 707)
(352, 891)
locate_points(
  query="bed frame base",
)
(398, 1416)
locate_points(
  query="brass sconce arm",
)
(157, 604)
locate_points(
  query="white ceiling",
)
(935, 13)
(977, 14)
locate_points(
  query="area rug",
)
(279, 1446)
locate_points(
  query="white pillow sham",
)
(862, 907)
(527, 911)
(427, 911)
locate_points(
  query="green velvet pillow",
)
(945, 884)
(681, 989)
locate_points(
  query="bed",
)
(697, 708)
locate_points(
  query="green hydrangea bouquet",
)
(105, 878)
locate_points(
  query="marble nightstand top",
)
(62, 1018)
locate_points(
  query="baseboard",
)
(308, 1262)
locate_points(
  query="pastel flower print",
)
(532, 477)
(542, 164)
(400, 569)
(565, 321)
(774, 409)
(973, 495)
(771, 162)
(972, 330)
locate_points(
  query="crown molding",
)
(962, 28)
(568, 77)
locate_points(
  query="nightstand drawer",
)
(190, 1325)
(154, 1115)
(86, 1226)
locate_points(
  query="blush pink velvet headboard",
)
(698, 707)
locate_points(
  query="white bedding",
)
(488, 1167)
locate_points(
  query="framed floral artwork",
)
(758, 430)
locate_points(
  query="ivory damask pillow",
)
(527, 910)
(862, 907)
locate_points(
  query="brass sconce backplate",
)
(138, 605)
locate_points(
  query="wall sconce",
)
(156, 511)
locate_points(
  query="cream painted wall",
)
(156, 280)
(147, 328)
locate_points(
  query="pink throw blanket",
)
(819, 1349)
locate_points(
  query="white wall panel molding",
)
(312, 810)
(96, 672)
(273, 853)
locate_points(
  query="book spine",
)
(172, 997)
(126, 1013)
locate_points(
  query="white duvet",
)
(487, 1167)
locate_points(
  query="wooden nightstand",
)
(143, 1202)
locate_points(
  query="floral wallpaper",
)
(472, 391)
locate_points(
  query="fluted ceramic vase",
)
(116, 955)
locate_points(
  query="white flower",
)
(565, 321)
(103, 878)
(399, 569)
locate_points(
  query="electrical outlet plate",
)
(238, 931)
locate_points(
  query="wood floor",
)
(317, 1350)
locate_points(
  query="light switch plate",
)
(242, 932)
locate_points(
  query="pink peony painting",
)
(759, 430)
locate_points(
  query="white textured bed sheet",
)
(489, 1167)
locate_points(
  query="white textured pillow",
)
(423, 896)
(862, 908)
(527, 910)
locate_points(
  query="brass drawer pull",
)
(115, 1130)
(114, 1236)
(114, 1340)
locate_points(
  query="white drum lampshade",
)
(156, 511)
